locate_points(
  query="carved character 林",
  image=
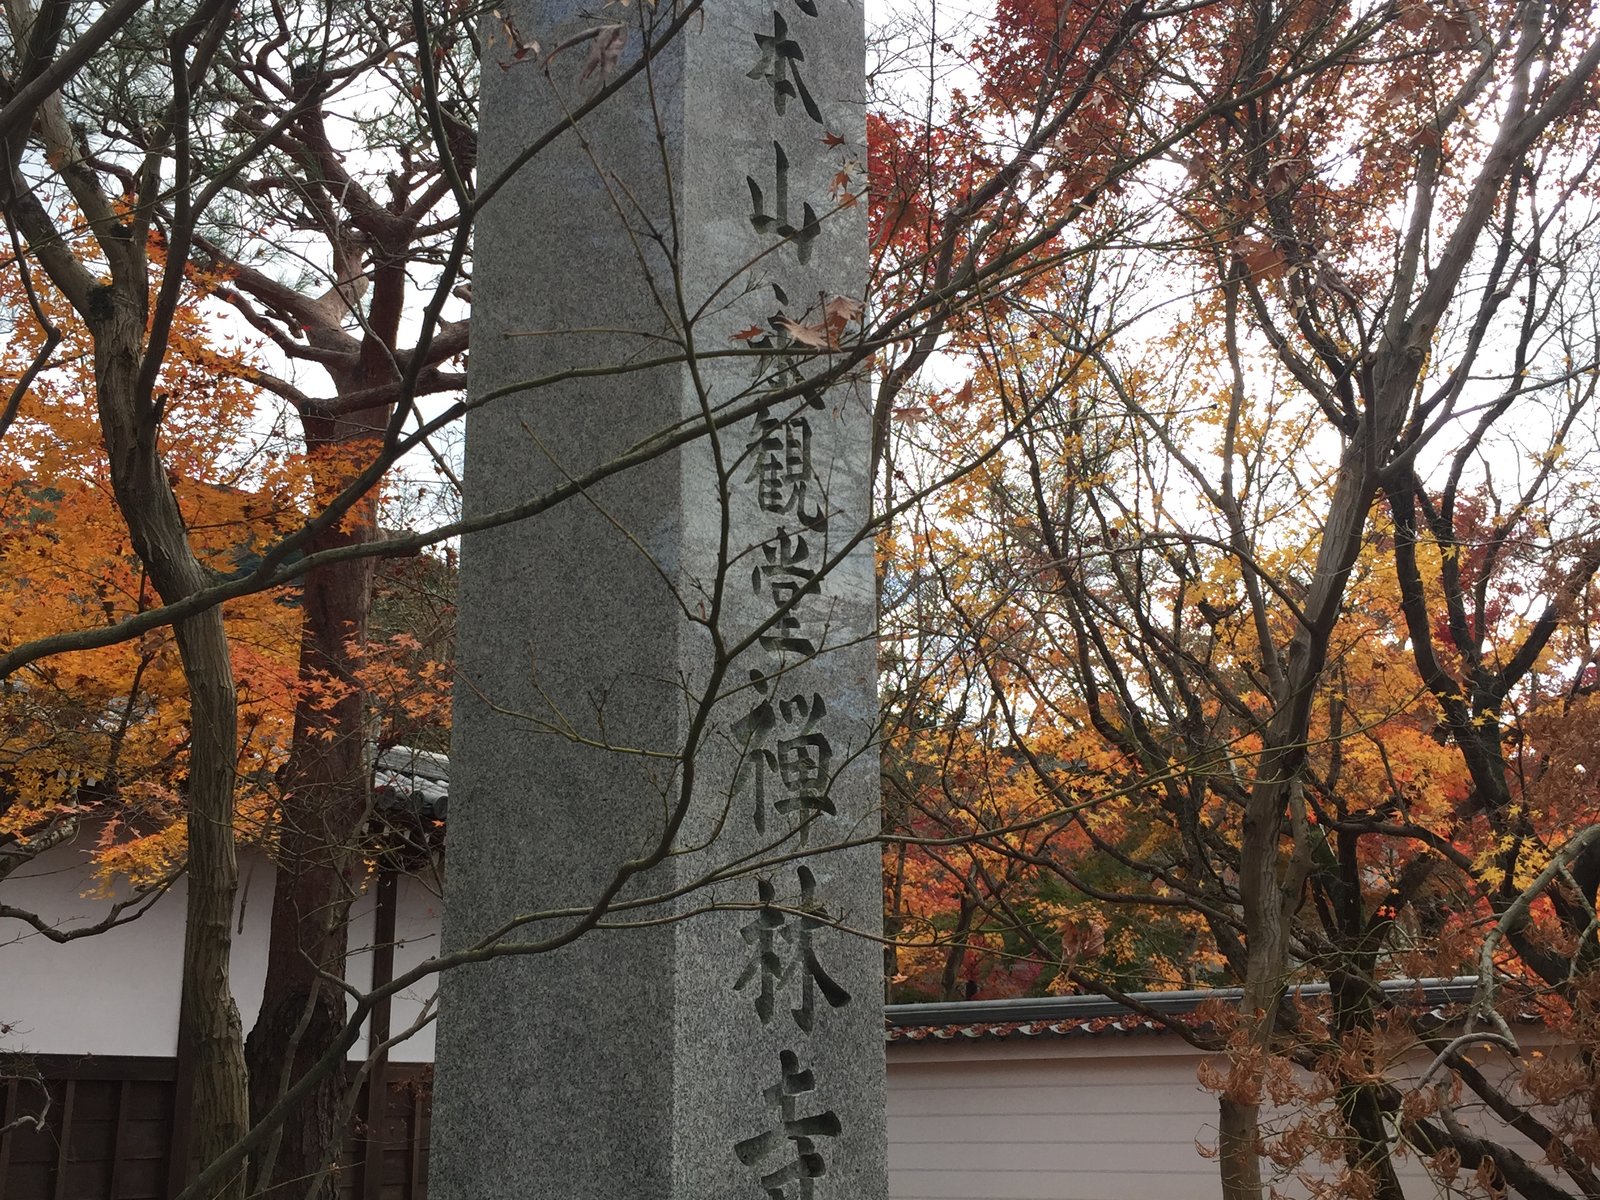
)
(771, 934)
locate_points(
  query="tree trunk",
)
(326, 799)
(214, 1035)
(1269, 885)
(1238, 1124)
(1368, 1143)
(950, 977)
(130, 425)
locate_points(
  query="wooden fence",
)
(111, 1125)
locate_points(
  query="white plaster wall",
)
(416, 939)
(113, 993)
(1089, 1119)
(1092, 1118)
(117, 992)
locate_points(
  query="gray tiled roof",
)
(416, 782)
(1080, 1016)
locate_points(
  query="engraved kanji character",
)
(781, 57)
(778, 222)
(804, 759)
(787, 578)
(782, 947)
(799, 757)
(757, 760)
(780, 467)
(792, 1176)
(761, 933)
(814, 976)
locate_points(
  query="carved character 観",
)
(781, 469)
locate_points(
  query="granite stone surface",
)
(728, 1043)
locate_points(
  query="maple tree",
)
(97, 744)
(217, 142)
(108, 288)
(1154, 720)
(1122, 704)
(145, 208)
(1171, 609)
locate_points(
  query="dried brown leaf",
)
(842, 310)
(1414, 17)
(817, 336)
(1261, 257)
(521, 47)
(1082, 938)
(1400, 90)
(1453, 31)
(604, 53)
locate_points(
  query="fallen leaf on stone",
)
(747, 335)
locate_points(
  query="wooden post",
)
(182, 1107)
(8, 1108)
(64, 1140)
(377, 1034)
(118, 1143)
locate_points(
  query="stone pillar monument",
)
(666, 686)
